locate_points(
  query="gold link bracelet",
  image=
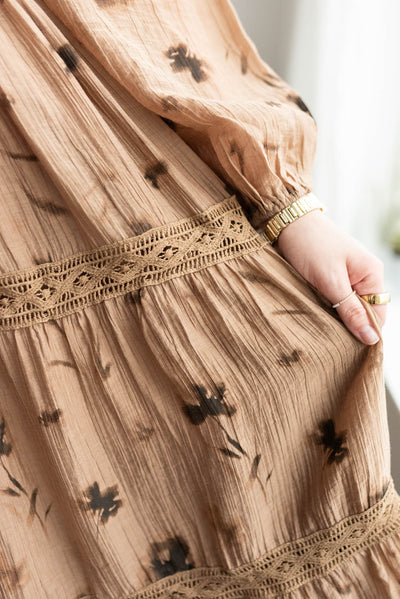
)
(298, 208)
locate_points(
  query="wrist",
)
(300, 226)
(296, 210)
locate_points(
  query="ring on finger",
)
(344, 300)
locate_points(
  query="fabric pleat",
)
(181, 413)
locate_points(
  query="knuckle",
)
(355, 314)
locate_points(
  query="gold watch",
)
(298, 208)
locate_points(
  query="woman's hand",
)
(334, 263)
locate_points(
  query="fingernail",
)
(368, 335)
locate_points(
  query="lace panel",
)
(54, 289)
(288, 566)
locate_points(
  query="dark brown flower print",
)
(300, 103)
(69, 56)
(105, 503)
(170, 556)
(288, 359)
(46, 205)
(332, 441)
(209, 404)
(254, 466)
(48, 418)
(144, 432)
(183, 59)
(243, 63)
(11, 576)
(18, 490)
(271, 147)
(62, 362)
(154, 171)
(19, 156)
(214, 405)
(5, 447)
(290, 311)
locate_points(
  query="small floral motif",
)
(182, 59)
(69, 56)
(144, 432)
(5, 447)
(46, 205)
(22, 156)
(300, 103)
(48, 418)
(332, 441)
(209, 404)
(243, 63)
(214, 405)
(170, 556)
(12, 576)
(105, 503)
(154, 171)
(287, 360)
(290, 311)
(18, 490)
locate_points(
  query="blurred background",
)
(343, 58)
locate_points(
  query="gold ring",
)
(377, 298)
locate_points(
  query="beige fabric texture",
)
(182, 414)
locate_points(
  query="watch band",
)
(298, 208)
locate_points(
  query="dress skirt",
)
(182, 415)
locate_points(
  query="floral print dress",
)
(181, 413)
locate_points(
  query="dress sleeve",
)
(192, 63)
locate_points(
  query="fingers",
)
(355, 317)
(372, 281)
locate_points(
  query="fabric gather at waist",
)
(55, 289)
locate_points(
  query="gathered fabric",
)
(181, 413)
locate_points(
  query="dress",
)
(182, 414)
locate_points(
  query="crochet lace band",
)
(54, 289)
(288, 566)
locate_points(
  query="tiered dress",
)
(181, 413)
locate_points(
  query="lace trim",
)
(288, 566)
(55, 289)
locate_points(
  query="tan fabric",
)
(182, 414)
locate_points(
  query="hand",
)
(334, 263)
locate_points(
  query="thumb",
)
(355, 317)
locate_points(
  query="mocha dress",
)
(182, 414)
